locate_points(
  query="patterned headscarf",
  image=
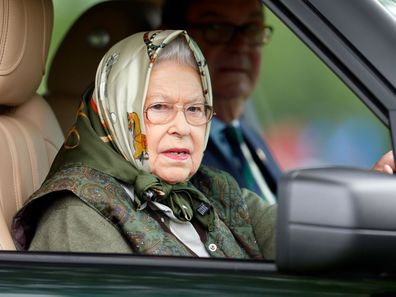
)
(121, 87)
(109, 134)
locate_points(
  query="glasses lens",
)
(218, 33)
(159, 113)
(198, 114)
(195, 114)
(255, 33)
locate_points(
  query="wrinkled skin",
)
(176, 148)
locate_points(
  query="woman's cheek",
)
(198, 152)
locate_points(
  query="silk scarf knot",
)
(183, 199)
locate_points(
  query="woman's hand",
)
(386, 164)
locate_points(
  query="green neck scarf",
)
(108, 135)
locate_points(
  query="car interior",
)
(33, 127)
(31, 135)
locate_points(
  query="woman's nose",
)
(179, 124)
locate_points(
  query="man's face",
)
(234, 66)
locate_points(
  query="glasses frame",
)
(180, 108)
(268, 31)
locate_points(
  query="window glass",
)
(307, 115)
(390, 5)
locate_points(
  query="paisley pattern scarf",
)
(109, 134)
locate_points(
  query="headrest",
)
(74, 65)
(25, 33)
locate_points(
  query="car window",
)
(390, 5)
(307, 115)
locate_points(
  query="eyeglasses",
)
(196, 114)
(222, 33)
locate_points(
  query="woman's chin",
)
(172, 171)
(174, 175)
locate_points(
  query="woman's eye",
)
(195, 109)
(160, 107)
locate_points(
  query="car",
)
(335, 229)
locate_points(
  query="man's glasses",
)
(222, 33)
(196, 114)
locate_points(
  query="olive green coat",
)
(104, 219)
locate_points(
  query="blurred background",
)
(307, 115)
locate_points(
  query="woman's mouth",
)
(177, 154)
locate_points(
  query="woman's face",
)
(176, 148)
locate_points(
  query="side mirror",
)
(336, 218)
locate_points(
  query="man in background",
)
(231, 34)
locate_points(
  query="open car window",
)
(307, 114)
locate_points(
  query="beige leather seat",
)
(30, 135)
(74, 65)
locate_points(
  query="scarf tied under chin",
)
(184, 199)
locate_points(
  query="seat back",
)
(74, 64)
(29, 131)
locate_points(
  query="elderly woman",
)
(128, 178)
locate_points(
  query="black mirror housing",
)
(336, 219)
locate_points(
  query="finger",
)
(387, 169)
